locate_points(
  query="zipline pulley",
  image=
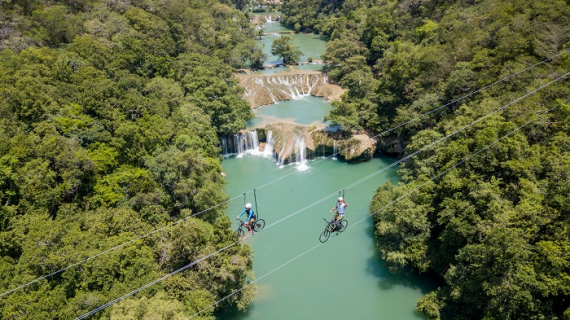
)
(255, 199)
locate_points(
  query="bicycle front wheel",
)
(258, 225)
(325, 235)
(343, 225)
(240, 233)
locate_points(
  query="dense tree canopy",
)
(496, 229)
(109, 123)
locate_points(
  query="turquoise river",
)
(297, 277)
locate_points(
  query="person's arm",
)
(241, 214)
(250, 215)
(332, 209)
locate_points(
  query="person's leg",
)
(249, 224)
(337, 222)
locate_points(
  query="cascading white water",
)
(242, 143)
(252, 141)
(260, 82)
(268, 151)
(239, 143)
(224, 142)
(281, 159)
(334, 150)
(294, 86)
(300, 153)
(269, 89)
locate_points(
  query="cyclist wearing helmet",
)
(340, 208)
(251, 217)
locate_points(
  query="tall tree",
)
(283, 47)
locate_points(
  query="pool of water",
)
(311, 45)
(305, 111)
(275, 70)
(310, 66)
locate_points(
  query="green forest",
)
(110, 118)
(109, 123)
(495, 229)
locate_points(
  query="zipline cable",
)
(418, 151)
(114, 248)
(384, 207)
(327, 197)
(153, 282)
(182, 220)
(268, 183)
(457, 131)
(227, 201)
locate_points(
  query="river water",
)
(340, 279)
(297, 276)
(304, 111)
(311, 45)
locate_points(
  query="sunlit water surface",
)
(300, 278)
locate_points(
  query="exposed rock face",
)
(269, 89)
(357, 148)
(317, 143)
(290, 142)
(391, 144)
(261, 19)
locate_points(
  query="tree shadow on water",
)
(408, 277)
(232, 313)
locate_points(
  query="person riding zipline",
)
(340, 208)
(250, 219)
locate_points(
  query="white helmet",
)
(340, 199)
(248, 206)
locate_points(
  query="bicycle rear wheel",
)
(325, 235)
(258, 225)
(240, 233)
(343, 225)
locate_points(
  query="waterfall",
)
(224, 142)
(334, 150)
(240, 143)
(260, 82)
(300, 154)
(269, 89)
(281, 159)
(292, 145)
(253, 140)
(268, 152)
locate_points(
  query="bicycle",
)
(256, 226)
(330, 228)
